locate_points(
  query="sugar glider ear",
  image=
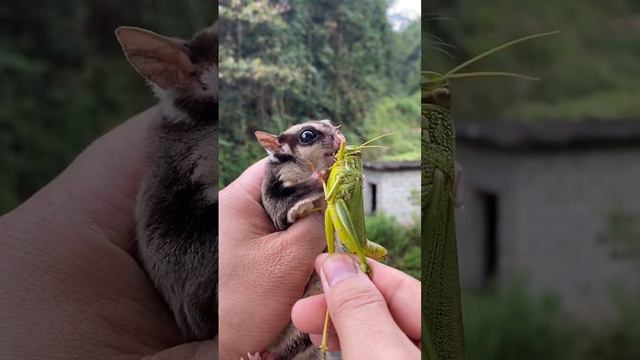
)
(269, 142)
(159, 59)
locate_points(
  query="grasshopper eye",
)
(307, 136)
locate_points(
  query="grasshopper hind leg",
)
(348, 234)
(329, 231)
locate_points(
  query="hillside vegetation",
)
(338, 60)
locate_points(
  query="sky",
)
(402, 11)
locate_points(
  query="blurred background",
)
(549, 237)
(354, 62)
(65, 80)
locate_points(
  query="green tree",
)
(284, 64)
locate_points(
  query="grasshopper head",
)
(342, 149)
(435, 89)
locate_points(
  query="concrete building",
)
(393, 188)
(557, 206)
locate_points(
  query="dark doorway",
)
(490, 210)
(374, 197)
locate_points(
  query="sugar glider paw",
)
(320, 175)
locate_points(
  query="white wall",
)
(555, 229)
(397, 193)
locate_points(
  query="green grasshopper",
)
(442, 315)
(344, 215)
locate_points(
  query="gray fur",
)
(177, 206)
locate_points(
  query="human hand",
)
(261, 272)
(71, 286)
(377, 318)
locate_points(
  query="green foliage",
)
(587, 71)
(65, 80)
(621, 341)
(314, 60)
(399, 115)
(514, 324)
(402, 242)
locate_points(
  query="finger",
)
(360, 314)
(96, 193)
(292, 252)
(241, 206)
(401, 293)
(241, 201)
(249, 183)
(305, 238)
(308, 314)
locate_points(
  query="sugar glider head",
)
(182, 73)
(313, 143)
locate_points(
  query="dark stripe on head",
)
(293, 140)
(204, 47)
(283, 157)
(200, 109)
(289, 139)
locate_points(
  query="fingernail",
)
(338, 267)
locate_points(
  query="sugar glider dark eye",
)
(308, 136)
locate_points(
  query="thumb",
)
(360, 314)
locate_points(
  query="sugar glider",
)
(177, 206)
(299, 158)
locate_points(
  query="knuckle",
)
(354, 300)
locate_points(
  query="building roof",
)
(556, 135)
(392, 165)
